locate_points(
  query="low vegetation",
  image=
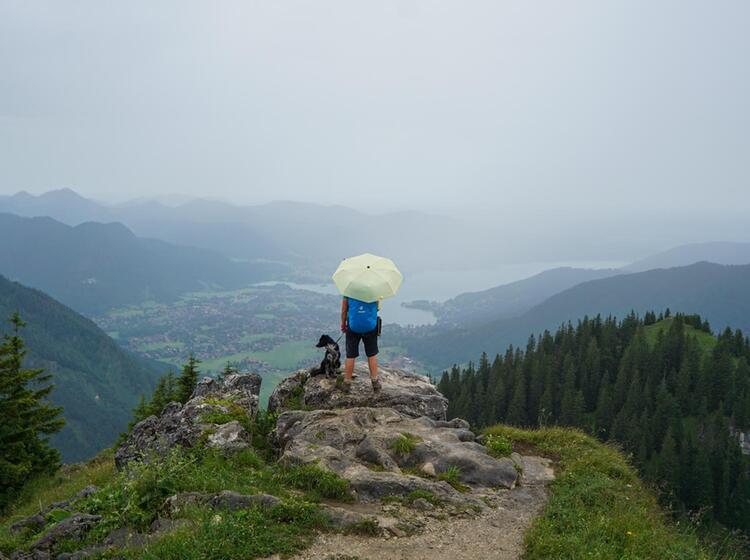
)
(404, 443)
(498, 446)
(452, 475)
(135, 499)
(598, 507)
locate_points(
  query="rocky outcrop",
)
(383, 452)
(37, 522)
(410, 394)
(213, 414)
(72, 528)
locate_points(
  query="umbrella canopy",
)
(367, 277)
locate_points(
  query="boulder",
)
(36, 522)
(377, 449)
(410, 394)
(229, 437)
(70, 528)
(343, 519)
(187, 425)
(225, 500)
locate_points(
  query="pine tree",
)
(27, 419)
(188, 379)
(517, 408)
(229, 369)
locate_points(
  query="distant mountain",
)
(722, 252)
(315, 236)
(97, 382)
(515, 298)
(65, 205)
(93, 267)
(720, 293)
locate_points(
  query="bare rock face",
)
(378, 449)
(186, 425)
(410, 394)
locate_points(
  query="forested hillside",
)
(97, 382)
(93, 267)
(515, 298)
(719, 293)
(667, 390)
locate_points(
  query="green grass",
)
(150, 347)
(598, 507)
(706, 341)
(404, 443)
(284, 529)
(498, 446)
(135, 499)
(453, 477)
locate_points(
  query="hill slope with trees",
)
(93, 267)
(96, 382)
(668, 392)
(718, 293)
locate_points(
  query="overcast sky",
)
(528, 109)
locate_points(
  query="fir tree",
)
(27, 419)
(188, 379)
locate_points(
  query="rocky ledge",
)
(407, 393)
(383, 452)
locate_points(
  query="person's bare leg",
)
(372, 363)
(348, 370)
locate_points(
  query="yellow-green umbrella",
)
(367, 277)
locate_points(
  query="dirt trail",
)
(495, 534)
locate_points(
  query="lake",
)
(440, 285)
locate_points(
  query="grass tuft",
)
(404, 443)
(453, 477)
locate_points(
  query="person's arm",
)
(344, 311)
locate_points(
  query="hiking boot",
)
(346, 387)
(376, 386)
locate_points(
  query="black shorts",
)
(369, 338)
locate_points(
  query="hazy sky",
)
(579, 110)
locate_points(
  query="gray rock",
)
(71, 528)
(32, 555)
(124, 536)
(342, 519)
(37, 521)
(234, 501)
(34, 523)
(184, 426)
(82, 554)
(205, 387)
(229, 437)
(422, 504)
(410, 394)
(164, 525)
(225, 500)
(351, 441)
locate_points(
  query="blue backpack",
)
(363, 316)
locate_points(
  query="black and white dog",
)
(331, 362)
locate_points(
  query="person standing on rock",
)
(359, 320)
